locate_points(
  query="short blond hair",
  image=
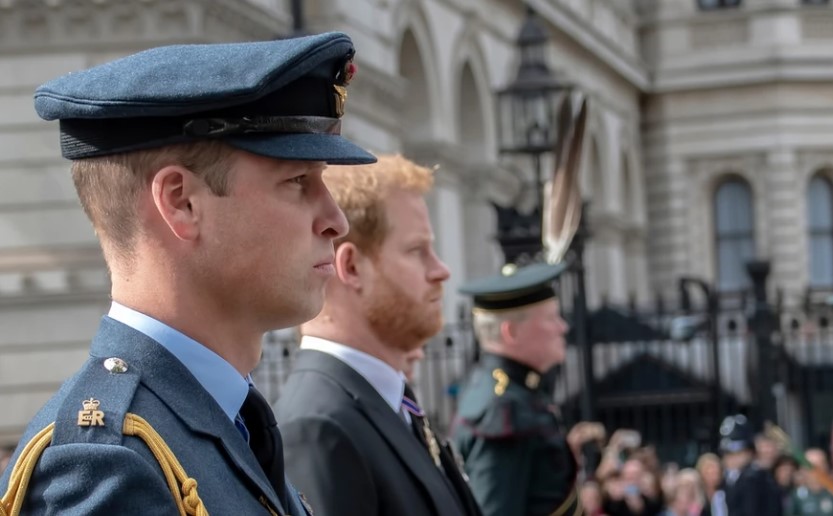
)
(109, 186)
(360, 191)
(486, 323)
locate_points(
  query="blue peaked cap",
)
(283, 99)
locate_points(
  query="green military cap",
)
(514, 287)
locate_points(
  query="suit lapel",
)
(186, 397)
(390, 427)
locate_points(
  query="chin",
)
(299, 314)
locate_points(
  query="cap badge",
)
(90, 416)
(343, 78)
(509, 269)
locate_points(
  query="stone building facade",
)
(683, 99)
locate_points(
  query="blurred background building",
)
(709, 143)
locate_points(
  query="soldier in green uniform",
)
(508, 429)
(810, 499)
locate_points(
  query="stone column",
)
(779, 220)
(668, 233)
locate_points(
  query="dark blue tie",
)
(265, 439)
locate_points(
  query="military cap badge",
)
(342, 79)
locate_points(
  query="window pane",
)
(732, 255)
(820, 227)
(733, 208)
(821, 260)
(734, 228)
(820, 205)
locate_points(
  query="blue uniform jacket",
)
(98, 470)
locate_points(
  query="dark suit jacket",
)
(350, 454)
(754, 493)
(98, 470)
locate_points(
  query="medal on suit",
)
(433, 445)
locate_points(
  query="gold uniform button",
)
(532, 380)
(115, 365)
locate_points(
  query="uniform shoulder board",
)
(93, 409)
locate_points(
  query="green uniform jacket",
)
(805, 502)
(510, 435)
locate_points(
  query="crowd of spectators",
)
(624, 477)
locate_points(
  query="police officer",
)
(507, 429)
(747, 489)
(200, 167)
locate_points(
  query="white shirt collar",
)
(388, 382)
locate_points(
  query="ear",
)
(508, 332)
(347, 266)
(174, 190)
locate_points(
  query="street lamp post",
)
(527, 126)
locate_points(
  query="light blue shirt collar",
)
(222, 381)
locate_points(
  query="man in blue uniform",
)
(200, 167)
(507, 429)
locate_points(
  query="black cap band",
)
(86, 138)
(515, 299)
(214, 127)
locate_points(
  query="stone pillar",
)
(779, 222)
(668, 233)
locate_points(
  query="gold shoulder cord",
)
(183, 488)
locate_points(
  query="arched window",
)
(416, 111)
(470, 115)
(734, 234)
(820, 229)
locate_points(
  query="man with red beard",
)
(355, 440)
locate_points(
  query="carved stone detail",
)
(817, 26)
(719, 33)
(41, 24)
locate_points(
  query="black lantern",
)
(527, 127)
(527, 107)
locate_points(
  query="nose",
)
(563, 326)
(439, 270)
(331, 221)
